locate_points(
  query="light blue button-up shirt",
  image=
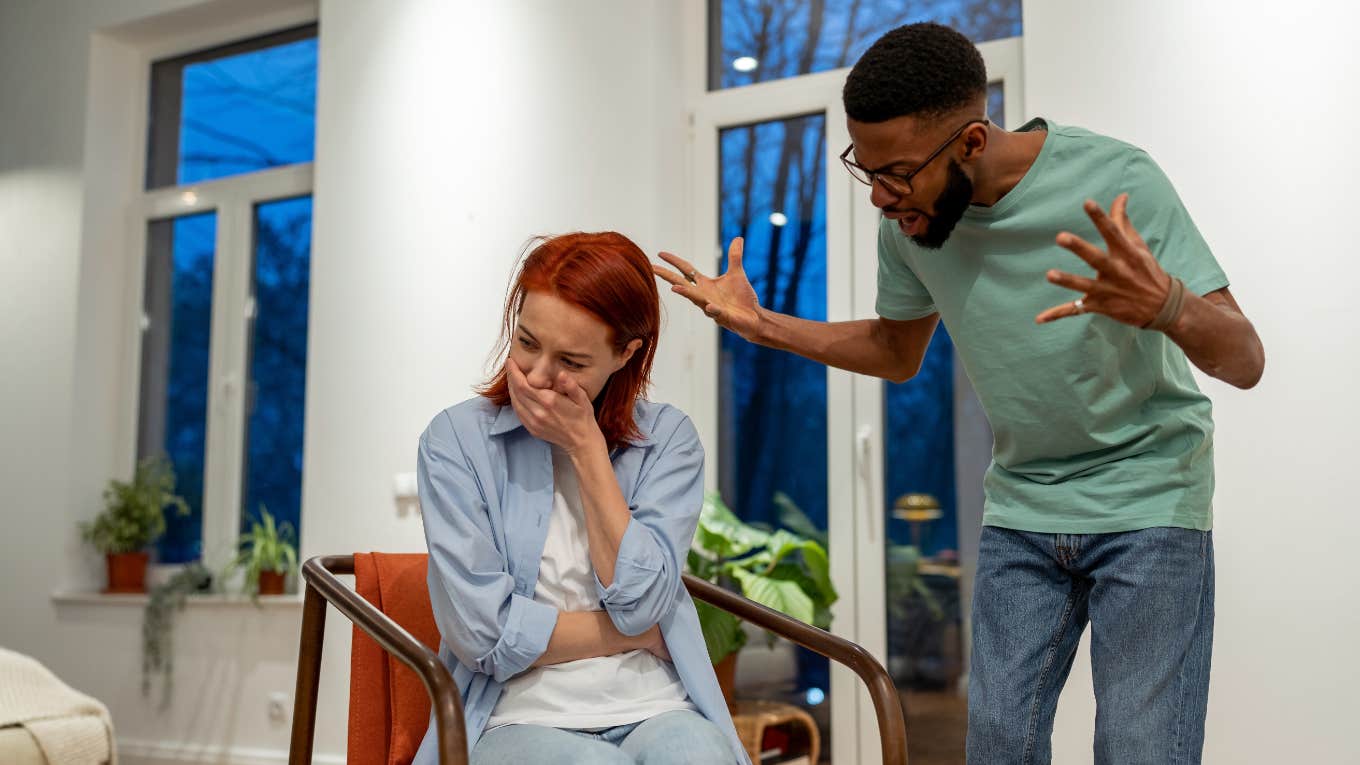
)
(486, 493)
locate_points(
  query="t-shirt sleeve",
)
(1163, 222)
(901, 295)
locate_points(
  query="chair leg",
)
(308, 677)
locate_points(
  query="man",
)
(1098, 498)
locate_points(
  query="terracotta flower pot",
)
(127, 572)
(271, 582)
(726, 671)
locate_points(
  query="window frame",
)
(855, 403)
(233, 199)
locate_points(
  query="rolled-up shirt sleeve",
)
(665, 512)
(488, 626)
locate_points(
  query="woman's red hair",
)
(610, 277)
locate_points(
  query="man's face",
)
(940, 192)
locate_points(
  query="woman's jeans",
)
(670, 738)
(1149, 598)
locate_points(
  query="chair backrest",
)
(389, 709)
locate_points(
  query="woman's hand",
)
(562, 415)
(655, 644)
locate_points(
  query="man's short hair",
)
(925, 70)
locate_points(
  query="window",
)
(887, 475)
(225, 283)
(772, 192)
(760, 40)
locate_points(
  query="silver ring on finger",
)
(689, 277)
(1079, 306)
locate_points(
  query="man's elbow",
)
(900, 373)
(1255, 370)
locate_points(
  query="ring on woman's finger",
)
(1079, 305)
(690, 277)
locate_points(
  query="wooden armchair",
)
(394, 630)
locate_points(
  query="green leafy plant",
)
(158, 625)
(905, 586)
(266, 547)
(783, 570)
(134, 513)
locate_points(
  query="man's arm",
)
(879, 347)
(1131, 287)
(1219, 339)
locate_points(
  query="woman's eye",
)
(526, 343)
(569, 364)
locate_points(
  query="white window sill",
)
(213, 600)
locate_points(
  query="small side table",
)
(753, 718)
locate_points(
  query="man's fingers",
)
(735, 251)
(1061, 311)
(1126, 223)
(1093, 255)
(691, 293)
(1120, 211)
(1071, 281)
(669, 276)
(681, 265)
(1111, 233)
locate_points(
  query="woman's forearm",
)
(606, 511)
(585, 635)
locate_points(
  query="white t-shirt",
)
(588, 693)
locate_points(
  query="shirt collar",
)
(507, 420)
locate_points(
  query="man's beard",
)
(949, 208)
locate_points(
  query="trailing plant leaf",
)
(158, 626)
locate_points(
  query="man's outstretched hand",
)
(728, 299)
(1130, 285)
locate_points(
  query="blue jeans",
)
(671, 738)
(1149, 597)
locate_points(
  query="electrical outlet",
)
(279, 706)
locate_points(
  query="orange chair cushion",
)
(389, 708)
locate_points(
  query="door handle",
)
(863, 466)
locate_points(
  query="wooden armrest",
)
(892, 728)
(323, 587)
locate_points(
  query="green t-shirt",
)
(1099, 426)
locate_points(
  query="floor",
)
(936, 725)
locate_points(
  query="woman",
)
(559, 506)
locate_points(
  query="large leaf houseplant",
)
(783, 570)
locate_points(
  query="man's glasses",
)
(897, 183)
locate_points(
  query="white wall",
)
(1250, 108)
(447, 134)
(434, 161)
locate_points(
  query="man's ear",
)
(974, 140)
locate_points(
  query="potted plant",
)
(267, 555)
(779, 569)
(133, 518)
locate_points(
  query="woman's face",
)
(553, 337)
